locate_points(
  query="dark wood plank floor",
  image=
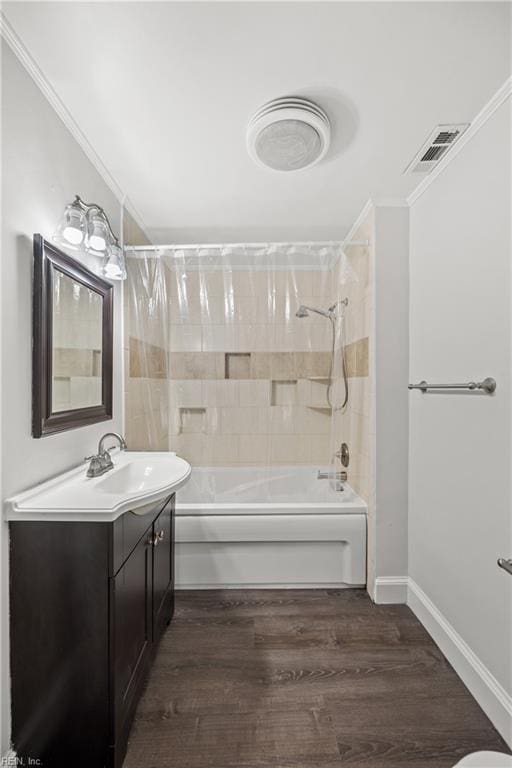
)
(302, 679)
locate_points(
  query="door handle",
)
(505, 564)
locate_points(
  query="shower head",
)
(304, 311)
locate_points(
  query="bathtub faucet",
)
(332, 476)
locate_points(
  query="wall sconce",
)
(85, 227)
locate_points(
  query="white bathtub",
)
(269, 527)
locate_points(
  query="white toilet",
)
(486, 760)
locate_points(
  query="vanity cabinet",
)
(89, 603)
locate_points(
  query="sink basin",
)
(138, 476)
(137, 480)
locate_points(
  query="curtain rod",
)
(196, 246)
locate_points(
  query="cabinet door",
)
(163, 569)
(131, 631)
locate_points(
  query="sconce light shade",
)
(97, 234)
(72, 228)
(85, 226)
(114, 267)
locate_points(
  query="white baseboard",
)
(269, 585)
(390, 589)
(489, 693)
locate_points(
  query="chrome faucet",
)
(342, 476)
(102, 461)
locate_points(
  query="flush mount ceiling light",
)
(288, 134)
(85, 226)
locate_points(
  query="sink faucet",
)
(102, 461)
(118, 437)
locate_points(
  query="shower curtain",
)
(219, 367)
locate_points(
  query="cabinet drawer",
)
(129, 529)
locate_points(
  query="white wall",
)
(459, 461)
(43, 167)
(388, 506)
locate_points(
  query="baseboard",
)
(390, 589)
(489, 693)
(267, 585)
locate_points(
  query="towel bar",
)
(487, 385)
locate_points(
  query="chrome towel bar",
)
(505, 564)
(487, 385)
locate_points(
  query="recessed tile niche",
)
(192, 421)
(237, 365)
(284, 392)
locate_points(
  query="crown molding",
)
(25, 58)
(368, 206)
(501, 95)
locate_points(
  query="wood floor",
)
(302, 679)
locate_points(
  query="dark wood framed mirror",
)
(72, 343)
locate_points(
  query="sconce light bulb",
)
(97, 243)
(112, 271)
(73, 235)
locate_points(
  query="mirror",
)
(72, 377)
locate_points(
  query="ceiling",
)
(163, 92)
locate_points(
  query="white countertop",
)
(138, 478)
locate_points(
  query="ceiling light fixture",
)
(288, 134)
(86, 227)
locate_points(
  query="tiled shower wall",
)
(239, 379)
(355, 424)
(248, 378)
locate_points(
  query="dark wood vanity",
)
(89, 603)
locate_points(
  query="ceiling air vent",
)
(437, 145)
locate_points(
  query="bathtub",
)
(274, 527)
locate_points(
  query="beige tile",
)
(221, 393)
(185, 309)
(260, 366)
(213, 421)
(318, 420)
(186, 393)
(174, 421)
(307, 364)
(319, 394)
(304, 391)
(185, 338)
(220, 338)
(289, 449)
(255, 337)
(196, 365)
(284, 338)
(147, 360)
(282, 365)
(190, 447)
(283, 419)
(357, 358)
(183, 283)
(255, 392)
(240, 421)
(321, 451)
(220, 450)
(217, 283)
(253, 449)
